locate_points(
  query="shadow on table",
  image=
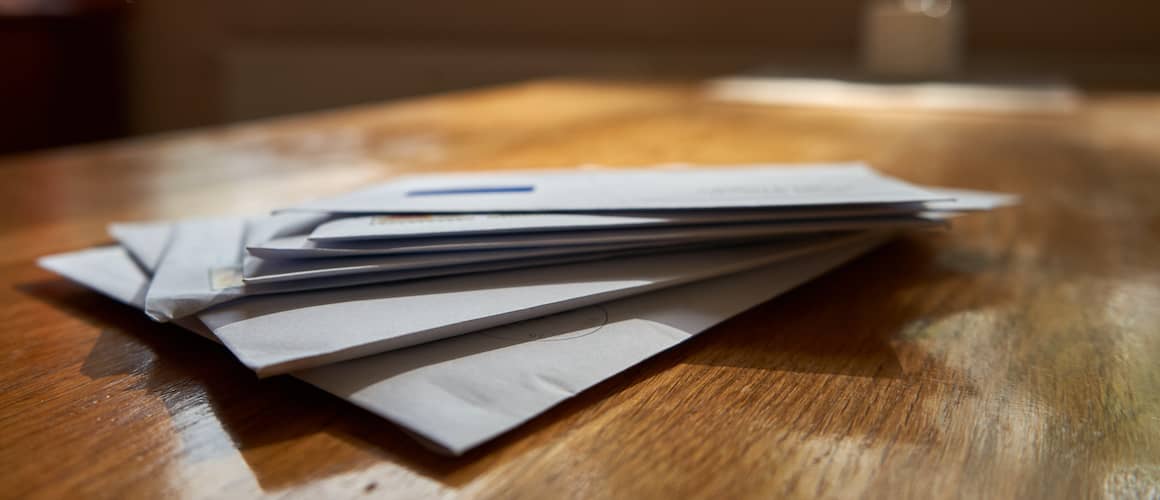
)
(840, 324)
(850, 322)
(260, 417)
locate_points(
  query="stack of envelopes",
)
(459, 306)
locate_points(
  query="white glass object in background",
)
(912, 38)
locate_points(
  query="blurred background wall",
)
(77, 71)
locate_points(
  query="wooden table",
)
(1013, 356)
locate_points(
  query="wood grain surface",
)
(1014, 356)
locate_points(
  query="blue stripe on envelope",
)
(471, 190)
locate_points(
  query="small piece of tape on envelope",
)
(221, 278)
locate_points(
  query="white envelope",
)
(418, 226)
(190, 282)
(111, 270)
(273, 334)
(969, 200)
(194, 288)
(278, 333)
(145, 241)
(257, 270)
(199, 267)
(302, 247)
(201, 264)
(721, 187)
(461, 392)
